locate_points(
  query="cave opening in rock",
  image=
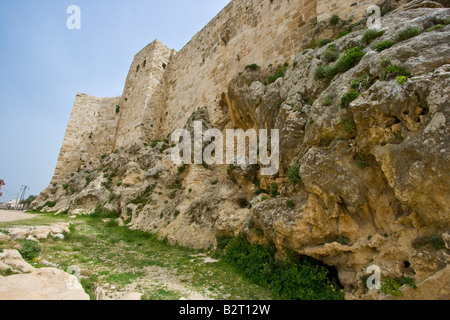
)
(243, 203)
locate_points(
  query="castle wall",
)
(245, 32)
(346, 9)
(89, 135)
(143, 101)
(163, 84)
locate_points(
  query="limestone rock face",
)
(373, 179)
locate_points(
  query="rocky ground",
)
(365, 164)
(110, 263)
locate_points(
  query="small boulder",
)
(11, 259)
(42, 284)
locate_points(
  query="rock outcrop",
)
(13, 261)
(54, 230)
(363, 181)
(36, 284)
(42, 284)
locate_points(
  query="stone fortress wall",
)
(163, 84)
(142, 103)
(243, 33)
(90, 134)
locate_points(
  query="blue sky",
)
(43, 65)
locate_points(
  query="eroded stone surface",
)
(42, 284)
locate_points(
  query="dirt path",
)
(8, 216)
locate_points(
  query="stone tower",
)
(142, 106)
(89, 134)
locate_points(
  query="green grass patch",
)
(343, 34)
(290, 204)
(162, 294)
(279, 103)
(181, 168)
(119, 256)
(125, 277)
(89, 285)
(401, 80)
(435, 241)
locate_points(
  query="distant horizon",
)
(45, 65)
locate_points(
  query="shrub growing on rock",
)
(280, 73)
(395, 71)
(349, 59)
(348, 98)
(331, 54)
(334, 20)
(401, 80)
(274, 190)
(328, 100)
(383, 45)
(294, 174)
(253, 67)
(438, 27)
(290, 279)
(363, 82)
(324, 42)
(371, 35)
(348, 125)
(408, 33)
(30, 250)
